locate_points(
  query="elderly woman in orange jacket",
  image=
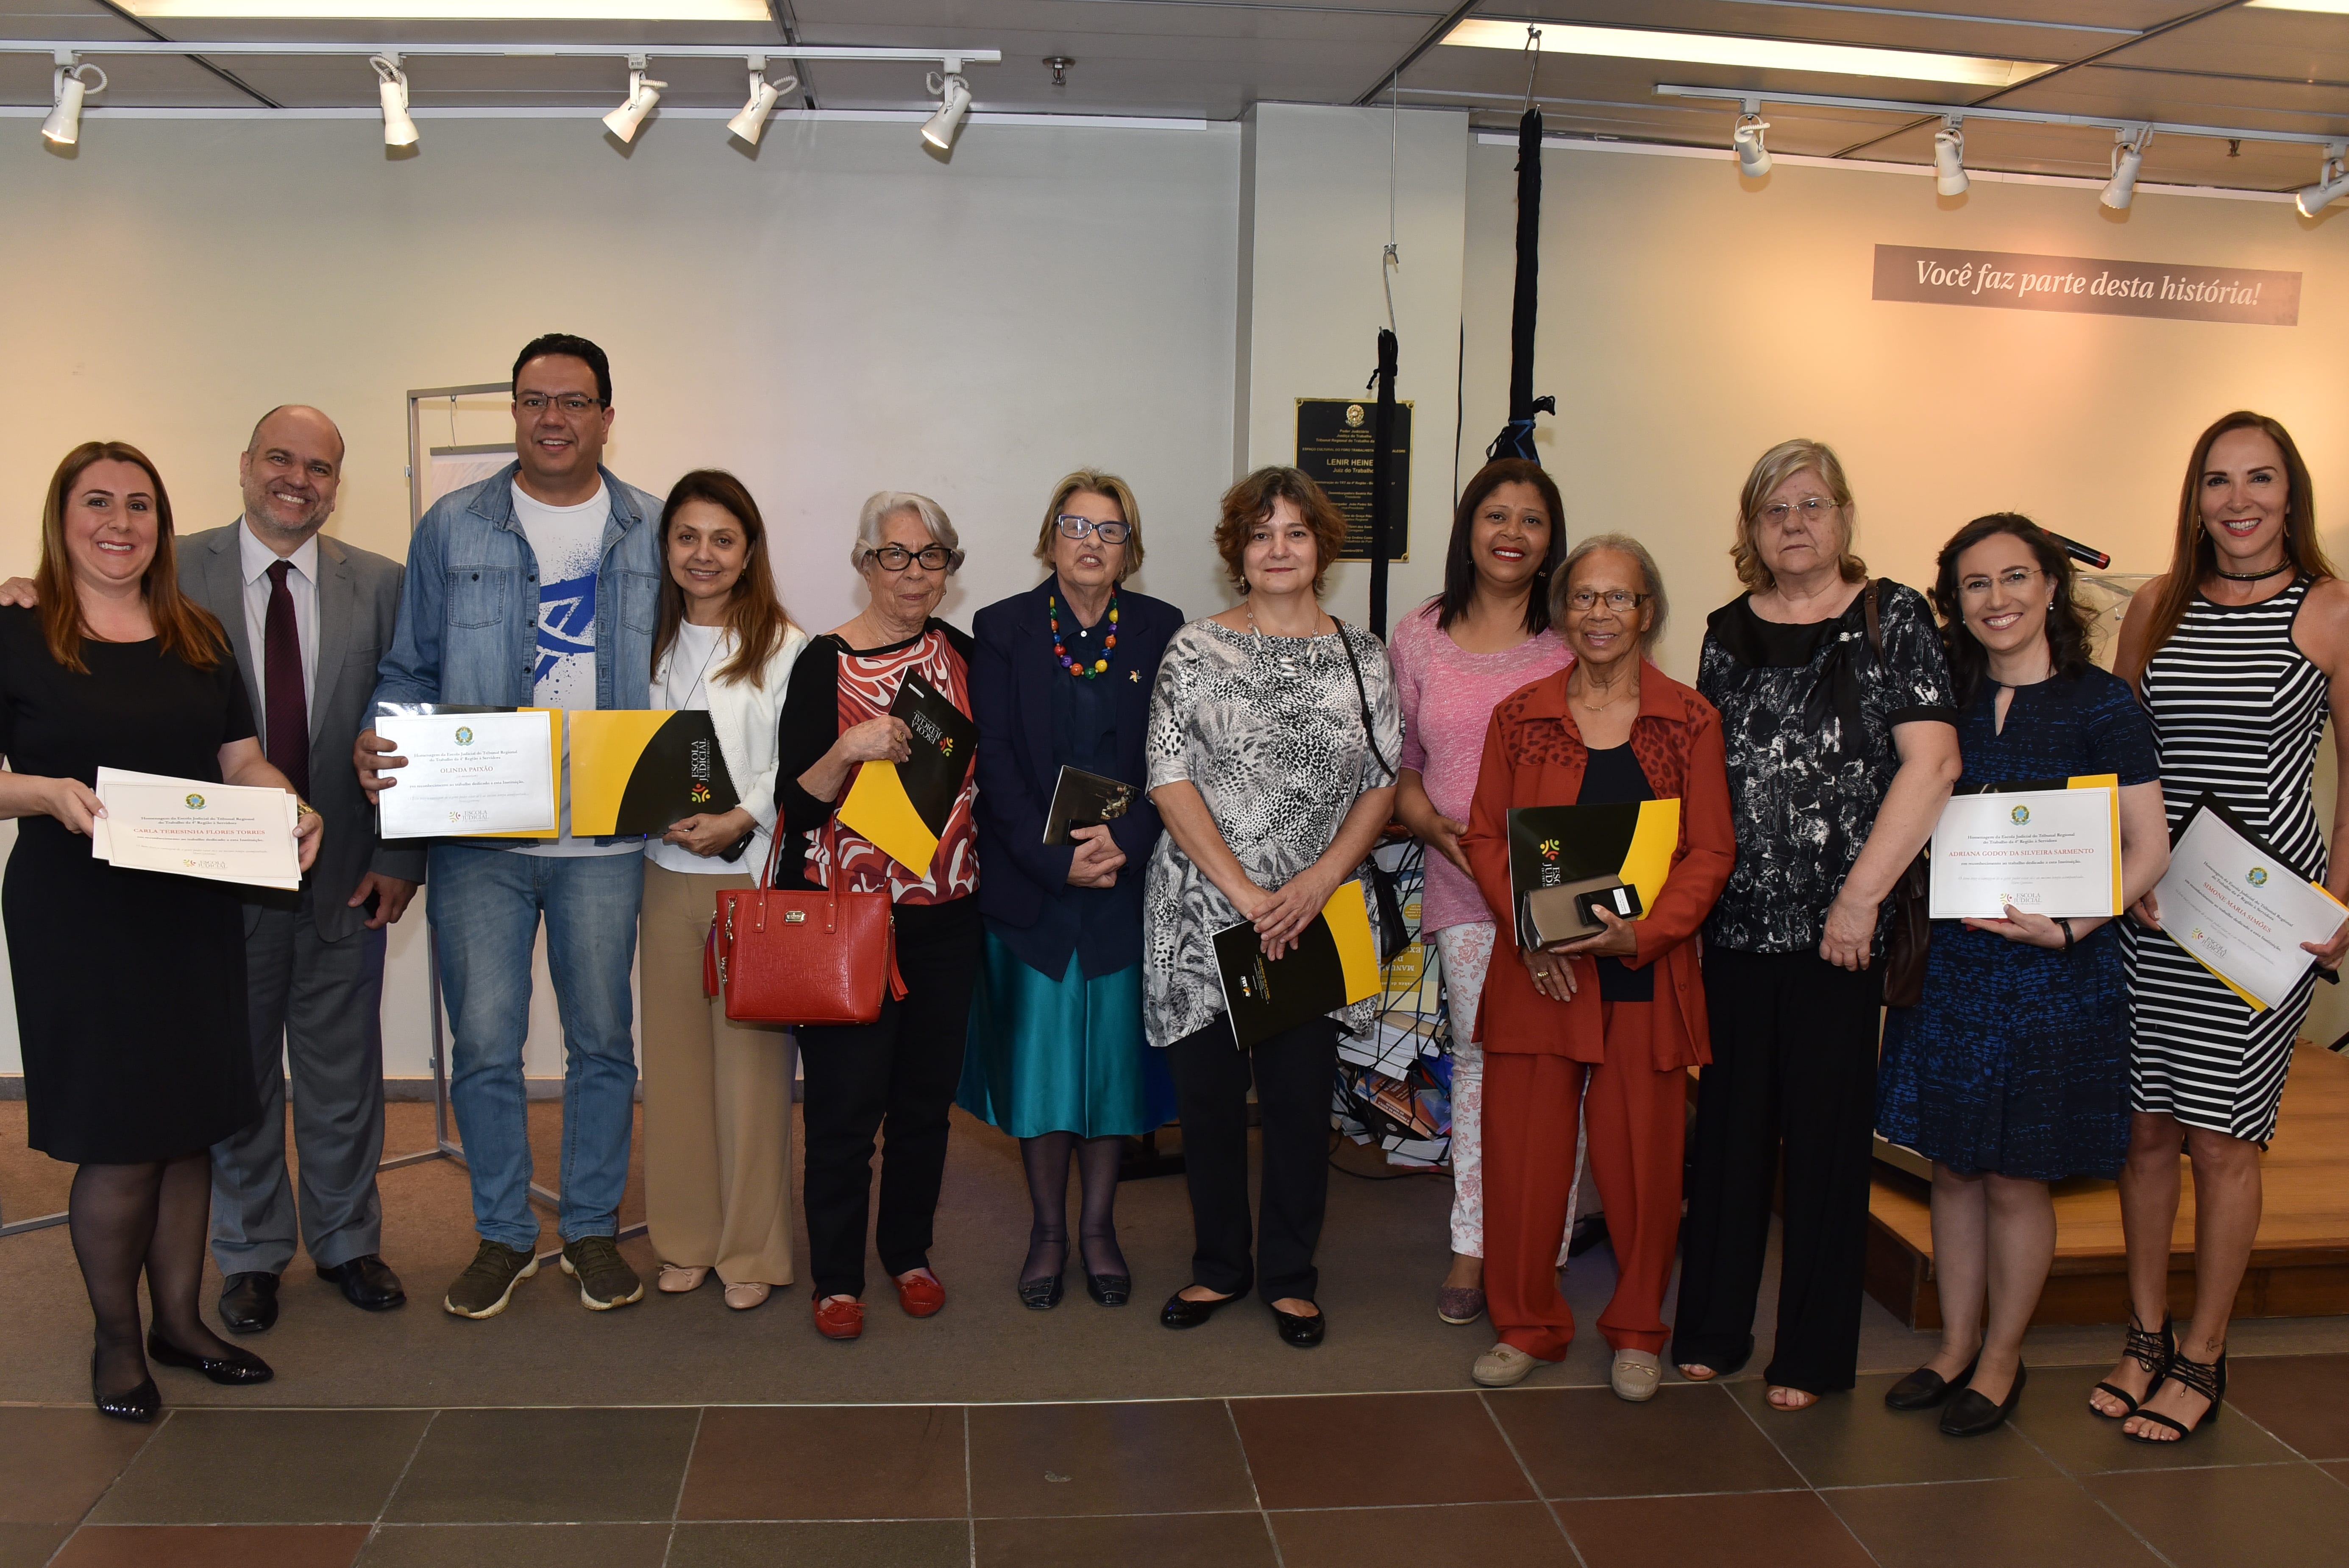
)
(1610, 1023)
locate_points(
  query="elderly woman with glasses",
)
(1062, 683)
(894, 1076)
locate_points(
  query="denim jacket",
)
(468, 611)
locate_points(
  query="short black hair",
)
(571, 347)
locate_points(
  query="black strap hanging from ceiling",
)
(1382, 443)
(1517, 438)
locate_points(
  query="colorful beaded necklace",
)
(1059, 649)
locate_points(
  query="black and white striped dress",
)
(2238, 709)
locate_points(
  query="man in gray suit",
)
(308, 616)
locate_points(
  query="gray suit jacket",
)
(358, 602)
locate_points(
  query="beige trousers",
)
(717, 1101)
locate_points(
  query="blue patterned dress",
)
(2016, 1060)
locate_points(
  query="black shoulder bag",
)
(1393, 937)
(1912, 924)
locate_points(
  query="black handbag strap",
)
(1362, 696)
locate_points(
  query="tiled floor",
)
(1526, 1477)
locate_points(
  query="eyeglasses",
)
(1622, 601)
(897, 558)
(573, 403)
(1072, 527)
(1778, 513)
(2015, 579)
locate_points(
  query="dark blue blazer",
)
(1012, 676)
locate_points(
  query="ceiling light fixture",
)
(2128, 160)
(2332, 182)
(763, 94)
(1949, 158)
(643, 94)
(752, 11)
(66, 91)
(392, 82)
(1766, 54)
(2330, 8)
(1753, 157)
(953, 102)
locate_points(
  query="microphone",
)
(2079, 552)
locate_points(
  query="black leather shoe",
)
(1040, 1295)
(367, 1283)
(1971, 1414)
(1109, 1290)
(249, 1303)
(1180, 1314)
(139, 1404)
(241, 1367)
(1304, 1332)
(1924, 1388)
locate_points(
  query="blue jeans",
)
(484, 905)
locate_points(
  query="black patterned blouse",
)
(1806, 712)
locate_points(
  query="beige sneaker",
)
(1502, 1366)
(1637, 1373)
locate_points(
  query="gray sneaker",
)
(605, 1280)
(488, 1281)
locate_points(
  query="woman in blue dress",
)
(1063, 677)
(2012, 1070)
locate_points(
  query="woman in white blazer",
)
(718, 1094)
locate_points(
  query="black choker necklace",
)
(2254, 576)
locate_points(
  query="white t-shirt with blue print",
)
(568, 542)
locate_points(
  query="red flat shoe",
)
(840, 1319)
(920, 1295)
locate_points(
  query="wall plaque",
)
(2014, 280)
(1333, 445)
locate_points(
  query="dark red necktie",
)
(288, 708)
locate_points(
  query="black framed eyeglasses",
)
(897, 558)
(1622, 601)
(571, 403)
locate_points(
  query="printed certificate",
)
(2233, 903)
(225, 832)
(471, 774)
(2051, 851)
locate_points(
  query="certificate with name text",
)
(470, 772)
(190, 827)
(2231, 901)
(2052, 852)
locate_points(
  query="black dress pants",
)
(894, 1076)
(1793, 1068)
(1293, 1071)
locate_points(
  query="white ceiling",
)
(2176, 60)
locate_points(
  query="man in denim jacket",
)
(536, 587)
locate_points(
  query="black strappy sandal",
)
(2153, 1352)
(2208, 1379)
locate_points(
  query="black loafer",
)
(1924, 1388)
(1181, 1313)
(1109, 1290)
(1971, 1414)
(249, 1302)
(140, 1404)
(1040, 1295)
(241, 1367)
(367, 1283)
(1304, 1332)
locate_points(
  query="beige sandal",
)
(676, 1279)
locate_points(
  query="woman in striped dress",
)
(2234, 651)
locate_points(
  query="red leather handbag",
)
(780, 955)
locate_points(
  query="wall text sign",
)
(2010, 280)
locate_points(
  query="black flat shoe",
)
(248, 1303)
(1304, 1332)
(367, 1283)
(1180, 1314)
(1924, 1388)
(1040, 1295)
(241, 1367)
(1109, 1290)
(1971, 1414)
(140, 1404)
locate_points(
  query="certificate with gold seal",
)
(2233, 903)
(2054, 851)
(471, 772)
(190, 827)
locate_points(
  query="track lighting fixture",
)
(953, 102)
(2332, 182)
(752, 120)
(643, 94)
(2128, 158)
(1753, 157)
(1949, 158)
(67, 89)
(392, 82)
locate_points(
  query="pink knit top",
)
(1448, 697)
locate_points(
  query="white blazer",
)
(745, 714)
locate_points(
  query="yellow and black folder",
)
(1552, 846)
(641, 770)
(903, 807)
(1334, 964)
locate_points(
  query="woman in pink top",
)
(1455, 657)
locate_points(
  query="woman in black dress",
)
(137, 1058)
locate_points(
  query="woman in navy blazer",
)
(1061, 678)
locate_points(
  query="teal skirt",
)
(1061, 1055)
